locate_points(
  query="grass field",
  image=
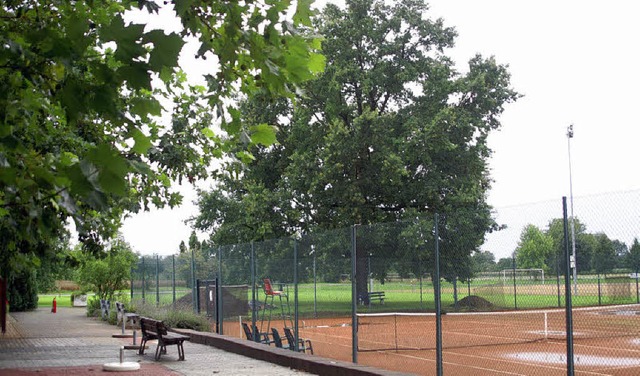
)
(334, 299)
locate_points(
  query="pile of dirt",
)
(475, 303)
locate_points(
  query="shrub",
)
(93, 307)
(173, 318)
(22, 291)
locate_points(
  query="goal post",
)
(532, 273)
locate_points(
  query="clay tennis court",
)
(606, 341)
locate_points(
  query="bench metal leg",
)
(142, 345)
(180, 351)
(159, 350)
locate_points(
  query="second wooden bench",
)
(156, 330)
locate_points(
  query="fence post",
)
(436, 291)
(567, 289)
(144, 285)
(515, 289)
(131, 284)
(599, 290)
(157, 280)
(637, 291)
(193, 282)
(315, 288)
(252, 260)
(219, 302)
(354, 298)
(173, 279)
(295, 294)
(558, 278)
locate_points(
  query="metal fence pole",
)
(599, 290)
(558, 278)
(131, 284)
(567, 289)
(173, 279)
(252, 260)
(437, 299)
(295, 294)
(354, 298)
(144, 285)
(157, 280)
(315, 288)
(193, 282)
(637, 291)
(515, 289)
(219, 302)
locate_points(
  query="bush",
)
(22, 291)
(173, 318)
(93, 307)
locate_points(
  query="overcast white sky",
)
(575, 62)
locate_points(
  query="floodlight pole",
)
(574, 260)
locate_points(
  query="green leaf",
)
(209, 133)
(303, 13)
(317, 63)
(263, 134)
(80, 184)
(142, 142)
(166, 49)
(245, 156)
(7, 175)
(146, 106)
(67, 159)
(141, 167)
(112, 169)
(136, 74)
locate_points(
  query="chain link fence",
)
(433, 295)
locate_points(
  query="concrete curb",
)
(284, 357)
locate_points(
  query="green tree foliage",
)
(632, 259)
(604, 254)
(81, 92)
(57, 263)
(584, 246)
(107, 275)
(390, 131)
(483, 261)
(22, 292)
(534, 249)
(505, 263)
(594, 252)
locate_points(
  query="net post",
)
(546, 327)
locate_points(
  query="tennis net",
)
(417, 331)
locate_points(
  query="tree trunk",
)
(362, 275)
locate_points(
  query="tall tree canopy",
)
(534, 249)
(81, 92)
(389, 131)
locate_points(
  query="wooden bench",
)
(373, 295)
(376, 295)
(156, 330)
(123, 317)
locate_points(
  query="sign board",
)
(80, 301)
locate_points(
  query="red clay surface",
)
(606, 342)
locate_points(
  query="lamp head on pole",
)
(570, 131)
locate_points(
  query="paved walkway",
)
(70, 343)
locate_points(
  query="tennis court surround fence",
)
(511, 300)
